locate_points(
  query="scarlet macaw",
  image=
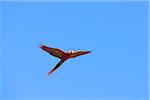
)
(62, 55)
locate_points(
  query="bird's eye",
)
(72, 51)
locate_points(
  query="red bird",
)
(62, 55)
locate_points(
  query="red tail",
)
(50, 72)
(60, 62)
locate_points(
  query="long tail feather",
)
(57, 66)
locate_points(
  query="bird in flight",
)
(63, 56)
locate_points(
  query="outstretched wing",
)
(58, 65)
(79, 53)
(53, 51)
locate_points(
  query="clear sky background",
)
(116, 70)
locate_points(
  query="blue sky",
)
(117, 68)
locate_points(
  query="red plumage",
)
(62, 55)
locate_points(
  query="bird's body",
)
(62, 55)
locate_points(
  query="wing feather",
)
(53, 51)
(79, 53)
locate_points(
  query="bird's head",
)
(71, 51)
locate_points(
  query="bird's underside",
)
(63, 56)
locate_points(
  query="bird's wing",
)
(58, 65)
(54, 51)
(79, 53)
